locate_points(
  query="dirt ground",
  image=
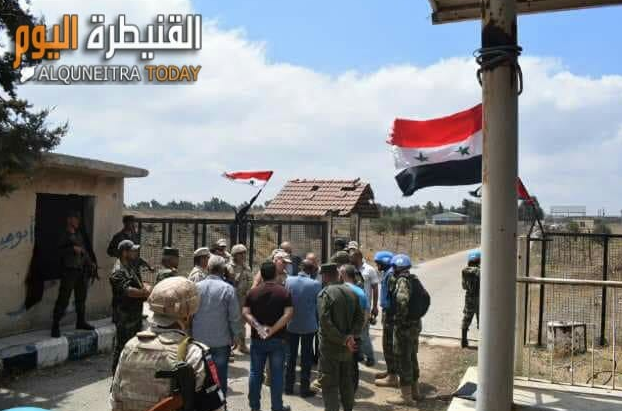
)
(85, 384)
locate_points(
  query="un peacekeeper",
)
(128, 232)
(242, 277)
(406, 334)
(128, 295)
(77, 264)
(162, 347)
(470, 283)
(383, 262)
(170, 262)
(341, 318)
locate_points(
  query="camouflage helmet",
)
(238, 249)
(172, 299)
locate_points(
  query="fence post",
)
(251, 246)
(603, 311)
(521, 307)
(163, 234)
(170, 234)
(196, 235)
(543, 275)
(279, 235)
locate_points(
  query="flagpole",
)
(499, 206)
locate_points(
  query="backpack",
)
(419, 298)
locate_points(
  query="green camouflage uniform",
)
(127, 312)
(165, 273)
(406, 333)
(340, 315)
(470, 283)
(388, 327)
(243, 281)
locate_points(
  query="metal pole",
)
(603, 311)
(499, 213)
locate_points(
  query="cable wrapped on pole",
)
(488, 58)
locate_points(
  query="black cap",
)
(128, 219)
(328, 269)
(170, 251)
(340, 258)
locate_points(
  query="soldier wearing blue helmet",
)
(470, 283)
(411, 302)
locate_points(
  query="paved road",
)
(442, 278)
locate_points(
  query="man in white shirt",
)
(371, 279)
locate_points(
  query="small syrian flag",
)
(255, 178)
(444, 151)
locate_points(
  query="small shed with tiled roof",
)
(341, 203)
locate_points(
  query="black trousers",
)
(76, 281)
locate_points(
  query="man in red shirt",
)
(268, 308)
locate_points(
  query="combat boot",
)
(390, 380)
(381, 375)
(464, 342)
(405, 397)
(416, 394)
(55, 330)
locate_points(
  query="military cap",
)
(237, 249)
(170, 252)
(340, 258)
(221, 243)
(199, 252)
(329, 268)
(282, 254)
(353, 245)
(127, 245)
(128, 219)
(73, 213)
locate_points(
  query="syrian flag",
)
(444, 151)
(255, 178)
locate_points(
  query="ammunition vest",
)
(146, 354)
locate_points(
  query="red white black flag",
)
(255, 178)
(444, 151)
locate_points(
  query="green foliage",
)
(601, 228)
(213, 205)
(573, 227)
(24, 134)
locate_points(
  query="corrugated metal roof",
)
(323, 197)
(447, 11)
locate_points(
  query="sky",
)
(311, 89)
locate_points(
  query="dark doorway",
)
(50, 221)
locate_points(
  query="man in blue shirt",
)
(302, 327)
(348, 274)
(218, 319)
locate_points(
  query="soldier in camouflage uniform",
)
(170, 262)
(388, 378)
(199, 271)
(128, 295)
(470, 283)
(242, 277)
(341, 320)
(406, 334)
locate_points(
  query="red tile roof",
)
(321, 197)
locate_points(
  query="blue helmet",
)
(383, 257)
(474, 256)
(401, 261)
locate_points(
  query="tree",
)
(24, 134)
(430, 209)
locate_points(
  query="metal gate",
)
(260, 236)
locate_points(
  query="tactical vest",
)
(146, 354)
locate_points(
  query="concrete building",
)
(449, 218)
(32, 218)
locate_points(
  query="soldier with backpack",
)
(411, 303)
(470, 283)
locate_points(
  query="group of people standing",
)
(292, 305)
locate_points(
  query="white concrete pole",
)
(499, 211)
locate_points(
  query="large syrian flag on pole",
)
(444, 151)
(254, 178)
